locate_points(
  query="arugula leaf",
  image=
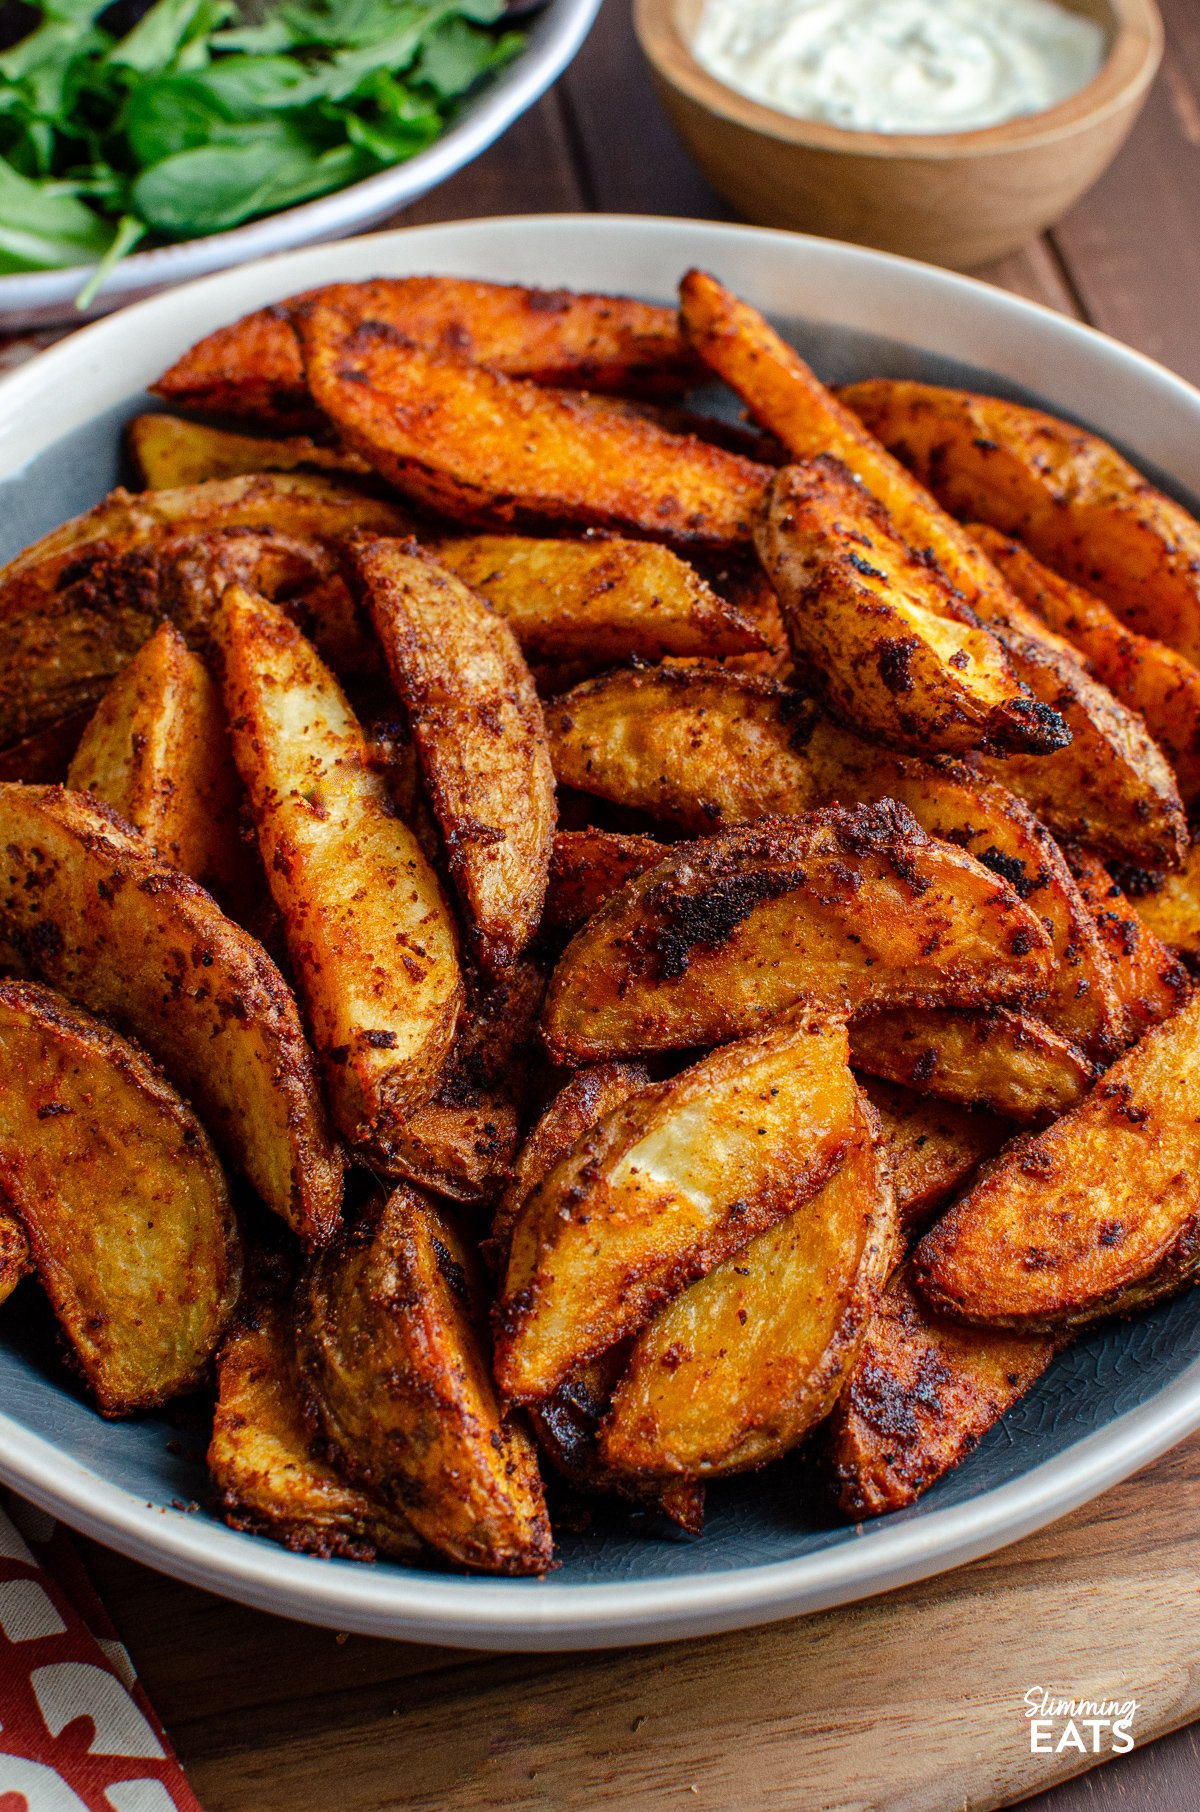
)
(44, 226)
(160, 34)
(457, 54)
(214, 187)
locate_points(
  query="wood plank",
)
(531, 170)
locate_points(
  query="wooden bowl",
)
(956, 198)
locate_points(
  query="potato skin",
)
(856, 907)
(369, 931)
(1151, 983)
(922, 1394)
(87, 908)
(932, 1148)
(170, 451)
(122, 1200)
(1169, 905)
(1069, 496)
(1008, 1063)
(15, 1262)
(392, 1346)
(739, 1368)
(586, 868)
(1098, 1215)
(477, 724)
(488, 449)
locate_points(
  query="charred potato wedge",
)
(665, 1187)
(169, 451)
(489, 449)
(1151, 983)
(1069, 496)
(1098, 1215)
(263, 1463)
(598, 601)
(921, 1396)
(857, 907)
(369, 931)
(121, 1198)
(393, 1352)
(15, 1262)
(1006, 1062)
(586, 868)
(1169, 905)
(480, 737)
(157, 751)
(86, 907)
(737, 1370)
(933, 1148)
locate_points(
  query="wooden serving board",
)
(910, 1701)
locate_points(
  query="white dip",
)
(900, 65)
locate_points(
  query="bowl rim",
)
(1128, 69)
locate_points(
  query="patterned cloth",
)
(77, 1732)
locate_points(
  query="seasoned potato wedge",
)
(1170, 905)
(857, 907)
(666, 1186)
(932, 1147)
(44, 757)
(992, 1057)
(1151, 983)
(15, 1262)
(586, 868)
(169, 451)
(157, 751)
(604, 600)
(1098, 1215)
(480, 737)
(922, 1394)
(877, 629)
(490, 449)
(262, 1461)
(739, 1368)
(1074, 502)
(369, 931)
(121, 1198)
(254, 368)
(86, 907)
(393, 1351)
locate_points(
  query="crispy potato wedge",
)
(262, 1463)
(15, 1261)
(739, 1368)
(1074, 502)
(157, 751)
(1169, 905)
(121, 1198)
(169, 451)
(369, 930)
(586, 868)
(1151, 983)
(86, 907)
(254, 369)
(478, 728)
(393, 1351)
(1007, 1062)
(842, 907)
(921, 1396)
(598, 601)
(932, 1147)
(666, 1186)
(491, 449)
(44, 757)
(1098, 1215)
(875, 628)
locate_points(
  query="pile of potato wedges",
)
(554, 947)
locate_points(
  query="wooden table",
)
(911, 1700)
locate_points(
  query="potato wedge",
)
(393, 1351)
(369, 931)
(737, 1370)
(157, 751)
(86, 907)
(1169, 905)
(15, 1262)
(262, 1463)
(599, 601)
(921, 1396)
(44, 757)
(169, 451)
(700, 747)
(666, 1186)
(254, 370)
(1098, 1215)
(480, 737)
(932, 1147)
(1072, 499)
(121, 1198)
(1009, 1063)
(586, 868)
(1144, 674)
(842, 907)
(1151, 983)
(486, 449)
(878, 631)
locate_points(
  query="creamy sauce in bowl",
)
(900, 65)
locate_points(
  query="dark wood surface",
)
(270, 1715)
